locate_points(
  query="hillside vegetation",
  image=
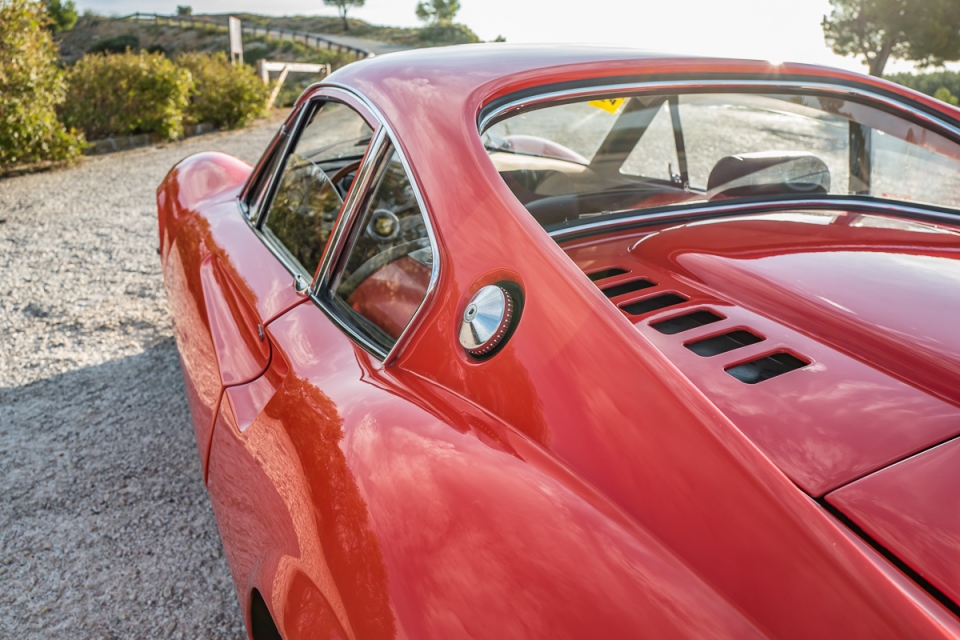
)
(413, 37)
(93, 32)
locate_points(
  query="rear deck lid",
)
(913, 509)
(831, 337)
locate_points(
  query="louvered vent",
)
(652, 304)
(606, 273)
(679, 324)
(723, 343)
(627, 287)
(770, 366)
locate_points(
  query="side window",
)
(655, 155)
(316, 177)
(258, 192)
(389, 260)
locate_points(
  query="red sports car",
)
(541, 342)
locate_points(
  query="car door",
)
(291, 515)
(229, 270)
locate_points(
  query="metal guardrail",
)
(270, 33)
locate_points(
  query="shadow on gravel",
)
(105, 526)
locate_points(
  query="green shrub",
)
(447, 33)
(127, 93)
(116, 44)
(31, 87)
(944, 94)
(224, 94)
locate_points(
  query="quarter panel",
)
(413, 525)
(576, 378)
(221, 283)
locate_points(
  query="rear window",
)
(580, 160)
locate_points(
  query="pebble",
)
(92, 400)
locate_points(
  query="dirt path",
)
(106, 530)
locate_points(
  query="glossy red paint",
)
(912, 509)
(221, 283)
(594, 478)
(822, 285)
(417, 527)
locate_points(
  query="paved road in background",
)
(106, 530)
(379, 48)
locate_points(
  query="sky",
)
(776, 30)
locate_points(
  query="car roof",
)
(449, 86)
(459, 74)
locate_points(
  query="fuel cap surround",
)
(486, 320)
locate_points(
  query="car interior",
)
(387, 263)
(566, 163)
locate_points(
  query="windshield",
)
(589, 158)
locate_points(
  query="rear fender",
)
(194, 181)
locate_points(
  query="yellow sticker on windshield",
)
(610, 105)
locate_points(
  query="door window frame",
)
(287, 139)
(382, 146)
(323, 290)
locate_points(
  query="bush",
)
(116, 44)
(447, 33)
(127, 93)
(944, 94)
(224, 94)
(31, 87)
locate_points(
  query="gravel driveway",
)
(106, 530)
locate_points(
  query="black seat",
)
(769, 173)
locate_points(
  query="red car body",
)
(595, 478)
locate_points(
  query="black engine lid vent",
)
(627, 287)
(765, 368)
(606, 273)
(723, 343)
(688, 321)
(652, 304)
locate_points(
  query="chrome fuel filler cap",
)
(486, 320)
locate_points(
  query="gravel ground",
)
(106, 530)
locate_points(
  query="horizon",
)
(774, 30)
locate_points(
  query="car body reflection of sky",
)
(778, 30)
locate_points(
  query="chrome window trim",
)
(384, 139)
(272, 243)
(338, 238)
(248, 185)
(289, 136)
(713, 86)
(280, 253)
(335, 245)
(710, 210)
(710, 86)
(417, 316)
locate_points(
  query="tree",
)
(63, 15)
(342, 7)
(437, 11)
(31, 88)
(924, 31)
